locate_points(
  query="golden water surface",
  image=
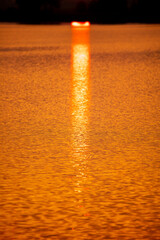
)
(80, 127)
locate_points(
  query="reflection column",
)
(80, 100)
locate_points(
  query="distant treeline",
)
(96, 11)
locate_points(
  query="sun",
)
(80, 24)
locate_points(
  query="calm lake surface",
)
(80, 114)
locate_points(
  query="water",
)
(80, 132)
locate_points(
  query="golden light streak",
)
(80, 100)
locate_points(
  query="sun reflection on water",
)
(80, 101)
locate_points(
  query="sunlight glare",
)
(80, 24)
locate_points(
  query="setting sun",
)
(80, 24)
